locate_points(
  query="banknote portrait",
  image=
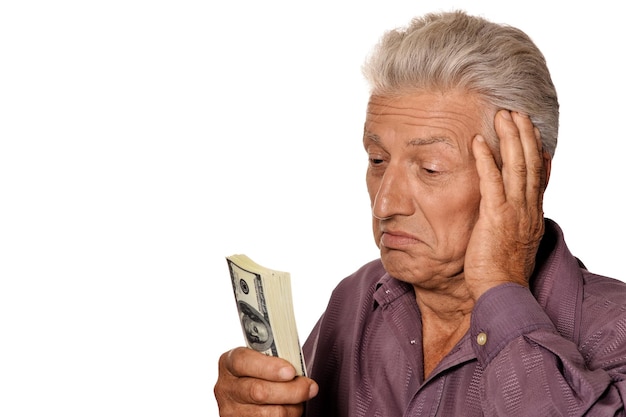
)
(256, 329)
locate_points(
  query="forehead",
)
(454, 115)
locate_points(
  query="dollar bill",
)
(264, 303)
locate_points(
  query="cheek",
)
(372, 188)
(457, 214)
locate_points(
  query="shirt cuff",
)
(502, 314)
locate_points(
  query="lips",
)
(397, 239)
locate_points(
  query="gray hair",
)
(500, 64)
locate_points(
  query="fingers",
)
(491, 184)
(522, 179)
(257, 391)
(251, 383)
(523, 172)
(249, 362)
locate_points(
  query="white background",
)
(143, 141)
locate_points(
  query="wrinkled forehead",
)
(455, 116)
(455, 113)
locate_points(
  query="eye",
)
(376, 158)
(376, 161)
(432, 169)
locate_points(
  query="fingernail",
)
(286, 373)
(313, 389)
(507, 115)
(480, 138)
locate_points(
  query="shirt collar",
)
(388, 289)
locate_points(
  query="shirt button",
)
(481, 339)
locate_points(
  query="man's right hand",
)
(253, 384)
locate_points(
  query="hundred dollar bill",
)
(265, 307)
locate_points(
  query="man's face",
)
(422, 182)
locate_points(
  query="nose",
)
(393, 194)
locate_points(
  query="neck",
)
(446, 317)
(445, 303)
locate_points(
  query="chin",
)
(399, 265)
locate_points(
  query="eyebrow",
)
(430, 141)
(372, 136)
(416, 141)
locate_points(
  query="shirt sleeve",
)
(531, 370)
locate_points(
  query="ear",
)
(547, 166)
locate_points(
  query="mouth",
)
(397, 240)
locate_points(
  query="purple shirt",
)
(558, 349)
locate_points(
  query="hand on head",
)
(505, 239)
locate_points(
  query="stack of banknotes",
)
(265, 306)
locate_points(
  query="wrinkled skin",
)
(445, 218)
(506, 237)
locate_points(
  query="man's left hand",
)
(510, 225)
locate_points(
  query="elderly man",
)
(476, 306)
